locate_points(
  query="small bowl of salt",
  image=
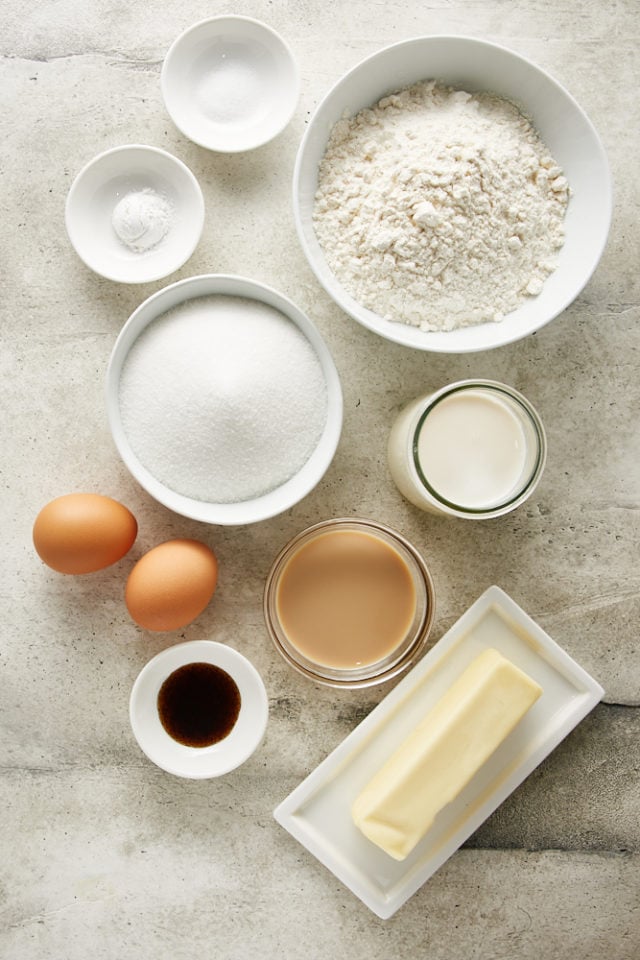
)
(134, 214)
(230, 83)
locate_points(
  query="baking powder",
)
(440, 208)
(141, 219)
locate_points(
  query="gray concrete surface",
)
(102, 854)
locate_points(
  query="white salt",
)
(223, 399)
(231, 91)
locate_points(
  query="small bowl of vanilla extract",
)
(198, 709)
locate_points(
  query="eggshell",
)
(171, 584)
(83, 532)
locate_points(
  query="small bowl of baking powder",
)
(230, 83)
(223, 400)
(450, 195)
(134, 214)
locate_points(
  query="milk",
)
(473, 449)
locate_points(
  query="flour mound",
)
(440, 208)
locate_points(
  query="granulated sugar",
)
(440, 208)
(223, 399)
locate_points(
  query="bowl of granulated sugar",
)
(223, 400)
(450, 195)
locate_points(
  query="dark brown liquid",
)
(198, 704)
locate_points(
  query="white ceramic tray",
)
(317, 812)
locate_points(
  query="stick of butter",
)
(443, 752)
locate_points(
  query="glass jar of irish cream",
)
(349, 603)
(474, 449)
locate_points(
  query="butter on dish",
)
(437, 760)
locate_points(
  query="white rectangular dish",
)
(317, 813)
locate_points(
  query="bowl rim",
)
(197, 220)
(233, 662)
(285, 52)
(275, 501)
(394, 331)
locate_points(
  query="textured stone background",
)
(104, 855)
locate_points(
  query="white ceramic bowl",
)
(230, 83)
(473, 65)
(198, 762)
(275, 501)
(103, 183)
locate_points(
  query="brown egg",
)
(171, 584)
(83, 532)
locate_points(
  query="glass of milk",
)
(474, 449)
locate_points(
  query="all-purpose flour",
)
(440, 208)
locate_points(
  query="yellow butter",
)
(443, 752)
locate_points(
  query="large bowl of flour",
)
(450, 195)
(223, 400)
